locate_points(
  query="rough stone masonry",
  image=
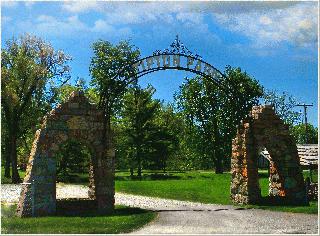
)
(264, 129)
(80, 120)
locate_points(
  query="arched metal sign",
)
(177, 61)
(176, 57)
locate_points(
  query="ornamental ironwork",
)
(177, 47)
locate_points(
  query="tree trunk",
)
(218, 166)
(217, 151)
(139, 161)
(13, 156)
(139, 167)
(7, 166)
(7, 161)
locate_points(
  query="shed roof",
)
(308, 154)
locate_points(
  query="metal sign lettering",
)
(174, 61)
(176, 57)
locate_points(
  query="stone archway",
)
(80, 120)
(263, 128)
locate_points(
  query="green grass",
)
(312, 209)
(5, 180)
(196, 186)
(123, 220)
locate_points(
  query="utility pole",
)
(305, 118)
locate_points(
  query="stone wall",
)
(264, 129)
(79, 120)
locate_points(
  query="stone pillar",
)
(38, 195)
(91, 191)
(243, 168)
(78, 119)
(263, 128)
(104, 181)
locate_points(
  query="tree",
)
(72, 157)
(164, 141)
(299, 133)
(110, 70)
(245, 93)
(31, 71)
(284, 105)
(213, 115)
(138, 114)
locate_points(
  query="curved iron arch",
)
(218, 79)
(176, 49)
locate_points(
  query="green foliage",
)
(145, 138)
(284, 105)
(160, 135)
(299, 133)
(64, 92)
(165, 141)
(212, 115)
(109, 65)
(31, 72)
(72, 157)
(123, 220)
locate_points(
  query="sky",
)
(274, 42)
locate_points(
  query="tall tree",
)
(213, 114)
(299, 133)
(166, 139)
(139, 112)
(110, 70)
(31, 71)
(284, 105)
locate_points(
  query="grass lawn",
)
(123, 220)
(197, 186)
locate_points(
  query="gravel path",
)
(179, 217)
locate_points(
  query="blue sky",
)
(275, 42)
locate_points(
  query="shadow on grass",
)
(263, 175)
(156, 176)
(88, 208)
(279, 201)
(80, 179)
(74, 179)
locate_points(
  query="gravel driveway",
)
(181, 217)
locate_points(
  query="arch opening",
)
(263, 128)
(76, 119)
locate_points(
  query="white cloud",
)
(80, 6)
(126, 15)
(138, 12)
(5, 19)
(9, 4)
(51, 25)
(265, 20)
(29, 4)
(101, 25)
(296, 24)
(70, 27)
(265, 23)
